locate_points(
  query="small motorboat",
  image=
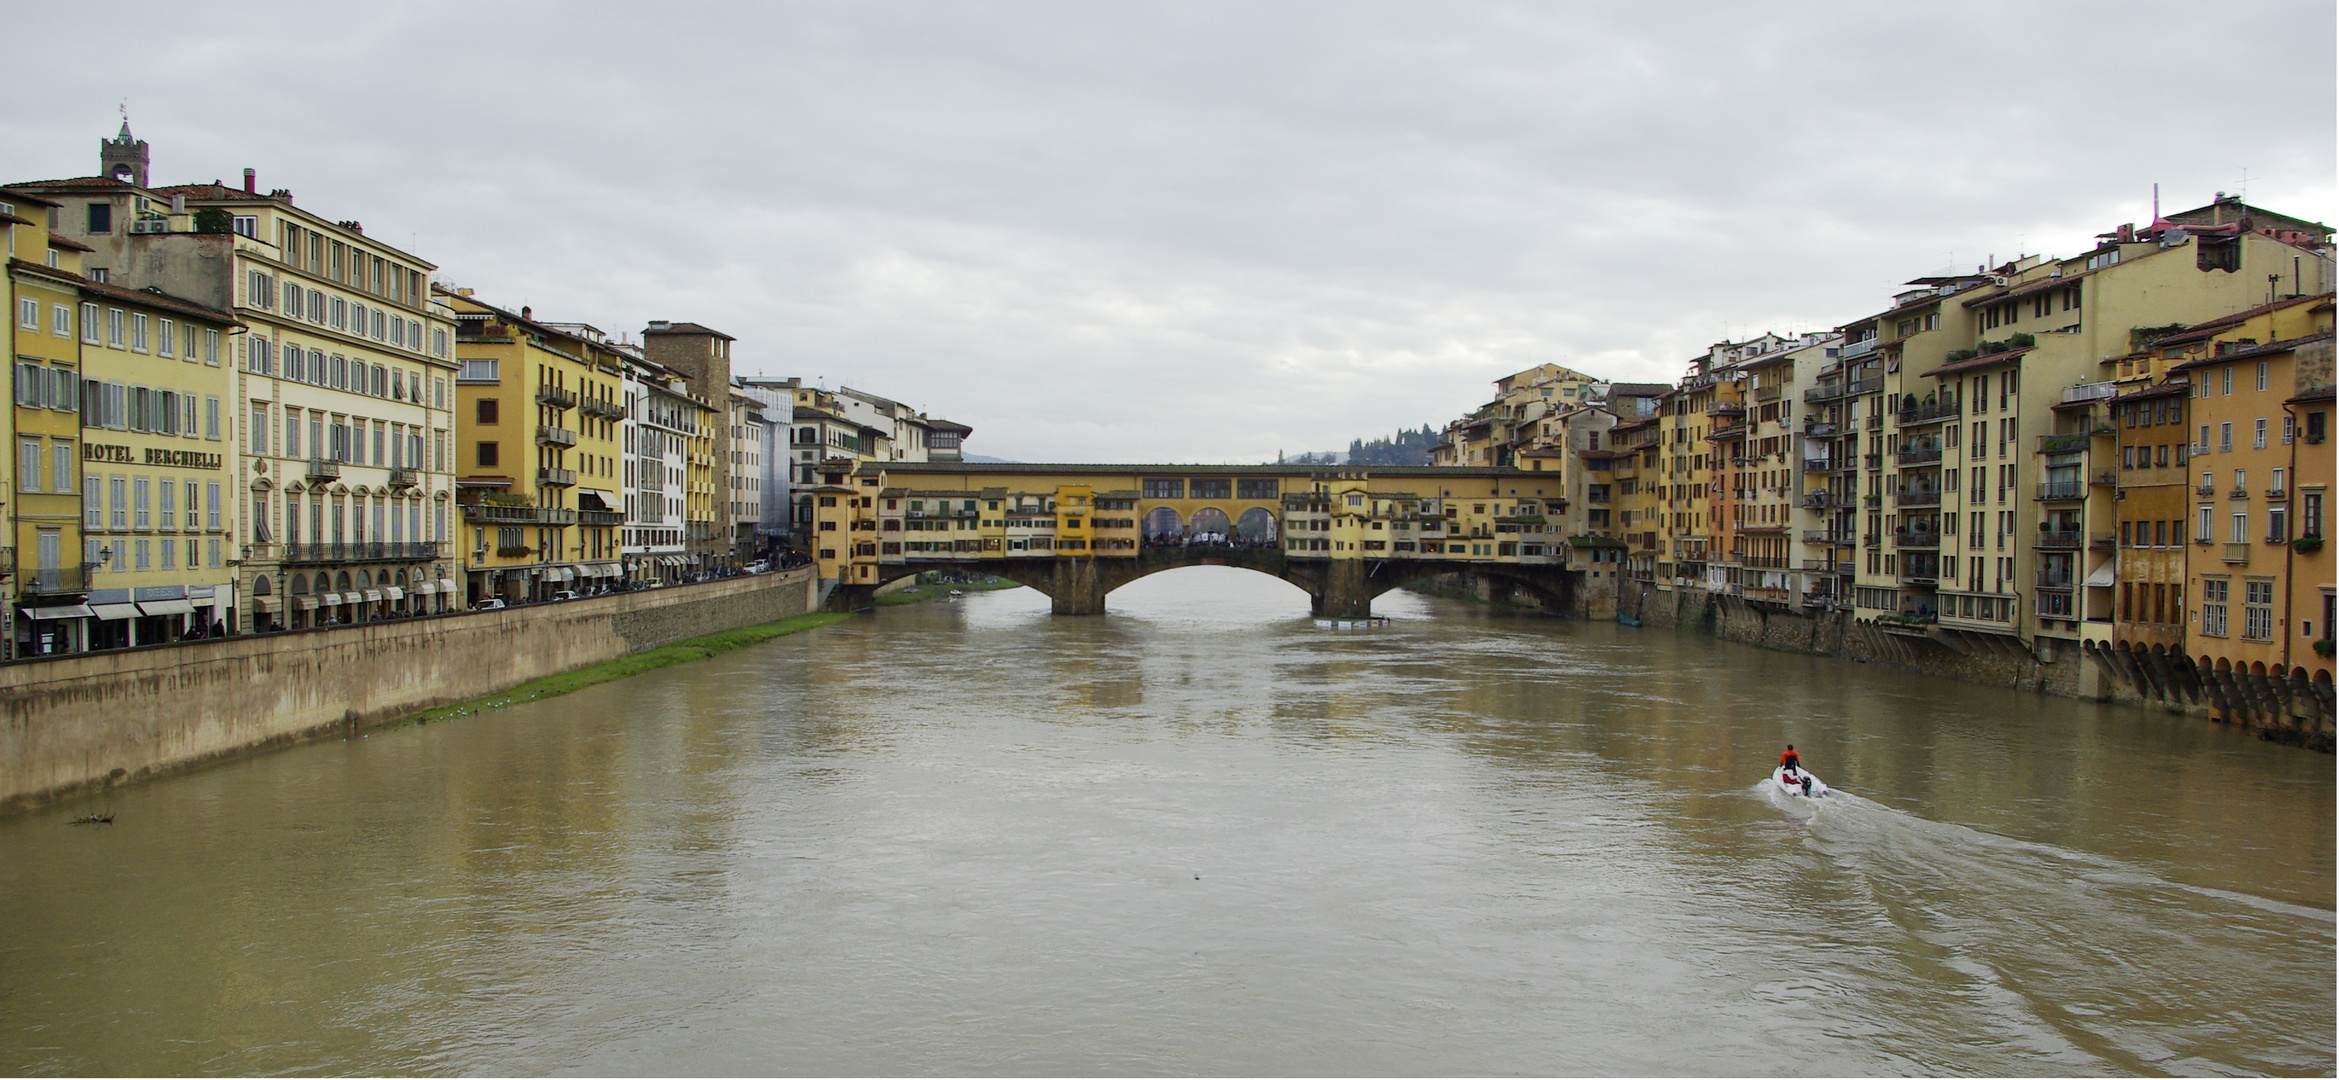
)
(1800, 783)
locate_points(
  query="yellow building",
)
(539, 436)
(124, 459)
(158, 465)
(49, 613)
(2243, 575)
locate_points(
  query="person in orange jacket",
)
(1790, 761)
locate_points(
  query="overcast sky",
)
(1206, 231)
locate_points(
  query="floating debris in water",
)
(94, 819)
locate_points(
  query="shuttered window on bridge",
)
(1165, 488)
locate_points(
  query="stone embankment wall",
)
(2290, 710)
(84, 722)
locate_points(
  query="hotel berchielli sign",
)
(131, 455)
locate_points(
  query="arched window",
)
(300, 585)
(260, 586)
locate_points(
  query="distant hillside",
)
(1403, 448)
(983, 460)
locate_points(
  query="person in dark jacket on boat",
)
(1790, 761)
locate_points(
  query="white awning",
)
(373, 596)
(447, 586)
(65, 611)
(427, 588)
(201, 601)
(305, 603)
(110, 612)
(331, 599)
(2104, 576)
(166, 607)
(394, 592)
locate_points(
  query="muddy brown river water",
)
(1199, 835)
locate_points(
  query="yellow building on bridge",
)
(1343, 533)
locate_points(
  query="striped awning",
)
(331, 599)
(394, 592)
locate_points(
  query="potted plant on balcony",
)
(2307, 545)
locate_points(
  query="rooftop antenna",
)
(2156, 200)
(2245, 183)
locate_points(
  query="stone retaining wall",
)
(84, 722)
(2288, 709)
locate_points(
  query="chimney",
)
(251, 181)
(527, 312)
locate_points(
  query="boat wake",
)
(2069, 960)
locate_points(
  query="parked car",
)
(564, 594)
(492, 603)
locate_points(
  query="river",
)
(1199, 835)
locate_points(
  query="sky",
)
(1202, 231)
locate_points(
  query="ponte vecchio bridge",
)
(1077, 532)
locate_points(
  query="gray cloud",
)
(1206, 231)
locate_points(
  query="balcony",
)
(1726, 408)
(1817, 536)
(2067, 442)
(600, 517)
(324, 469)
(2206, 491)
(1730, 430)
(556, 396)
(1824, 500)
(1869, 385)
(405, 478)
(1829, 392)
(1767, 393)
(1815, 465)
(1858, 349)
(2062, 491)
(1819, 429)
(2277, 494)
(308, 554)
(605, 409)
(555, 436)
(54, 581)
(1906, 539)
(2104, 478)
(1873, 461)
(2087, 392)
(499, 514)
(1940, 409)
(1917, 455)
(556, 477)
(2237, 555)
(2059, 540)
(1917, 497)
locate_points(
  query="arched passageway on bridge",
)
(1213, 523)
(1255, 526)
(1164, 524)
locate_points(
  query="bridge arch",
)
(1211, 521)
(1255, 525)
